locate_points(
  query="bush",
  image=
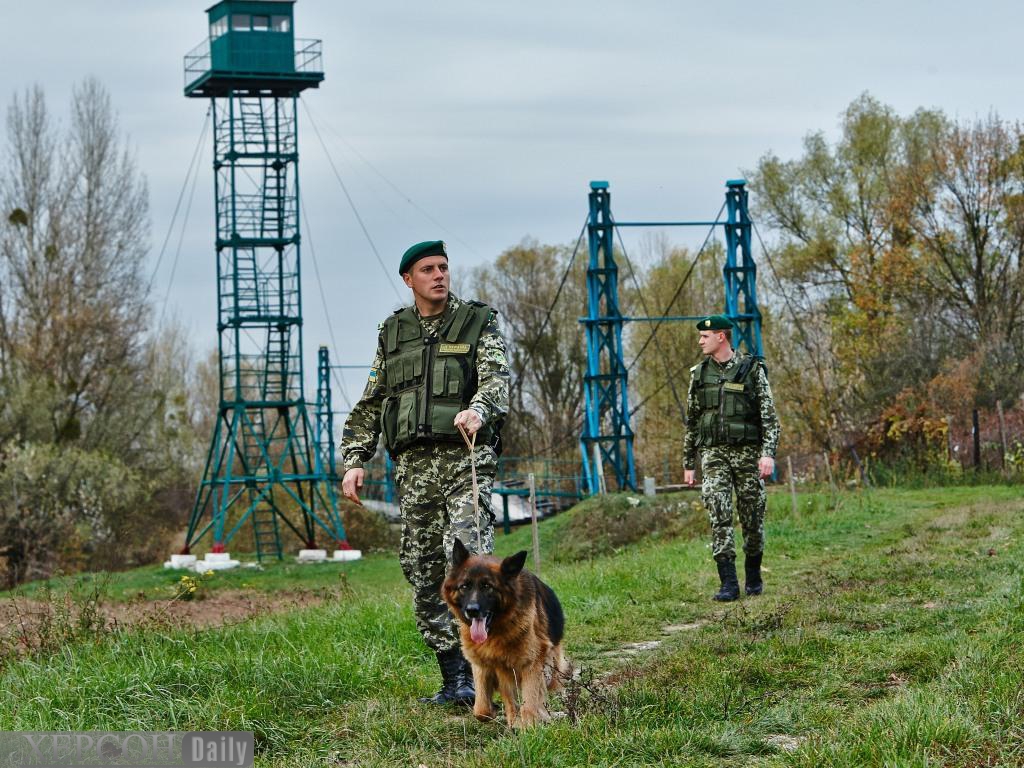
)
(603, 525)
(367, 529)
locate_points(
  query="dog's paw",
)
(484, 715)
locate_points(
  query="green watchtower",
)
(260, 469)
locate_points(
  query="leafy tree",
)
(546, 353)
(897, 257)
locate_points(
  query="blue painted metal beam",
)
(740, 271)
(607, 438)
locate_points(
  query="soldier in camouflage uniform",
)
(732, 424)
(440, 363)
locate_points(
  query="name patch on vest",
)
(732, 386)
(453, 349)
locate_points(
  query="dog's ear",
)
(459, 553)
(513, 564)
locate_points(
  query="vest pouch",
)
(389, 421)
(709, 397)
(407, 414)
(453, 377)
(738, 434)
(442, 418)
(440, 375)
(398, 420)
(735, 398)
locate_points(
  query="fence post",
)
(1002, 433)
(831, 480)
(533, 520)
(977, 439)
(792, 486)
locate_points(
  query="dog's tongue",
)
(478, 630)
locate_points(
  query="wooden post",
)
(507, 523)
(977, 439)
(949, 438)
(533, 520)
(831, 480)
(792, 486)
(1002, 433)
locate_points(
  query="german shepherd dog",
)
(511, 625)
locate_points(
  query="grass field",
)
(890, 634)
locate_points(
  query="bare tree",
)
(73, 305)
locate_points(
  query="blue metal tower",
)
(260, 469)
(607, 433)
(741, 276)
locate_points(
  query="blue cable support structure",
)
(607, 438)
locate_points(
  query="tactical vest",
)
(729, 413)
(429, 379)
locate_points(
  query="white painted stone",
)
(649, 488)
(202, 566)
(181, 561)
(312, 555)
(215, 557)
(344, 555)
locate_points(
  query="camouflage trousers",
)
(435, 488)
(725, 469)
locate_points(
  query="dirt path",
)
(26, 622)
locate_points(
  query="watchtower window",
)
(219, 27)
(241, 22)
(279, 23)
(260, 23)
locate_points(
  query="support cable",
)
(398, 191)
(679, 290)
(181, 235)
(352, 204)
(547, 317)
(643, 303)
(339, 380)
(181, 195)
(785, 294)
(808, 347)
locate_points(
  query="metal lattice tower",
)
(261, 468)
(325, 460)
(607, 432)
(740, 271)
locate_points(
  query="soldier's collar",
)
(453, 303)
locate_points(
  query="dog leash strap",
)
(471, 445)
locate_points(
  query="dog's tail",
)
(560, 670)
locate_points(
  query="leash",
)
(471, 445)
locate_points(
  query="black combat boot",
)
(753, 584)
(456, 680)
(730, 589)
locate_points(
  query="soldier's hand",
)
(690, 477)
(352, 484)
(469, 420)
(766, 465)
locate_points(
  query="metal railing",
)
(308, 59)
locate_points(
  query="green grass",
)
(890, 634)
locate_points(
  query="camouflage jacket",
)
(770, 428)
(362, 428)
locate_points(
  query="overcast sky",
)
(492, 118)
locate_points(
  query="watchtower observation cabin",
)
(252, 47)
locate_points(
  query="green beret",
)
(421, 251)
(715, 323)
